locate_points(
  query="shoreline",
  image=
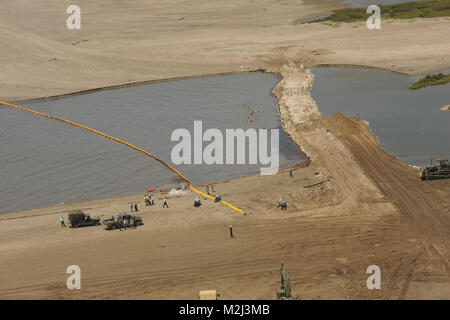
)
(282, 77)
(126, 85)
(360, 66)
(276, 96)
(304, 163)
(199, 76)
(159, 190)
(278, 74)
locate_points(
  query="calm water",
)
(408, 123)
(45, 162)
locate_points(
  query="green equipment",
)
(441, 171)
(78, 218)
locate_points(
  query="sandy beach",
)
(373, 210)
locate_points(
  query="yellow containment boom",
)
(122, 142)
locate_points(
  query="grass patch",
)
(431, 80)
(409, 10)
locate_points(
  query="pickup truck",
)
(117, 222)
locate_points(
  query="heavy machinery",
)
(285, 292)
(441, 171)
(78, 218)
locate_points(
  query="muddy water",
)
(408, 123)
(45, 162)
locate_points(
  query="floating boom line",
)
(122, 142)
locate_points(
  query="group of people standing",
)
(127, 222)
(134, 206)
(149, 200)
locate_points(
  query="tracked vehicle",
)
(441, 171)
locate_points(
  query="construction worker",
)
(165, 203)
(231, 231)
(61, 219)
(290, 174)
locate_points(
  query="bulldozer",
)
(441, 171)
(285, 292)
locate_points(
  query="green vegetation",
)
(409, 10)
(431, 80)
(76, 212)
